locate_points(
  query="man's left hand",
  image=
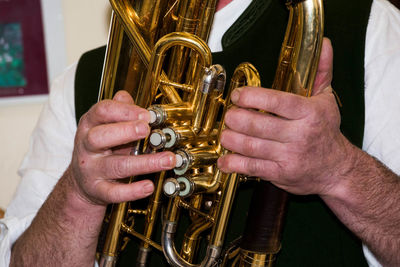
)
(296, 144)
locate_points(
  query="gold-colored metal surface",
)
(157, 52)
(253, 259)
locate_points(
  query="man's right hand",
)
(102, 153)
(71, 217)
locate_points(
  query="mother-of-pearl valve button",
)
(156, 139)
(182, 162)
(164, 138)
(171, 187)
(182, 186)
(179, 160)
(156, 116)
(153, 116)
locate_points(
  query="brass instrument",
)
(157, 52)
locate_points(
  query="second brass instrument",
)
(157, 52)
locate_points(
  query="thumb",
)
(323, 78)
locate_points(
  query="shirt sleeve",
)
(49, 154)
(382, 90)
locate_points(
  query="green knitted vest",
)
(312, 234)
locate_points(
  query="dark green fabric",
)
(312, 236)
(87, 80)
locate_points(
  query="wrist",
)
(77, 204)
(344, 172)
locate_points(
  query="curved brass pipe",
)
(168, 41)
(130, 21)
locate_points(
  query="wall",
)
(86, 25)
(71, 27)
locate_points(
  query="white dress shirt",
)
(51, 142)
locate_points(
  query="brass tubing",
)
(179, 136)
(206, 18)
(152, 216)
(231, 182)
(187, 21)
(218, 233)
(311, 40)
(301, 48)
(170, 113)
(132, 232)
(173, 258)
(152, 81)
(213, 82)
(245, 75)
(195, 211)
(191, 239)
(149, 14)
(111, 245)
(205, 183)
(195, 158)
(253, 259)
(111, 59)
(183, 135)
(130, 20)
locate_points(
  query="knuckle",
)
(83, 124)
(272, 103)
(249, 145)
(227, 163)
(315, 117)
(103, 108)
(91, 139)
(118, 168)
(111, 195)
(152, 163)
(254, 167)
(82, 120)
(246, 97)
(259, 125)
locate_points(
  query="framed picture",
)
(23, 69)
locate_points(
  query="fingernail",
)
(142, 129)
(144, 116)
(148, 188)
(235, 95)
(166, 161)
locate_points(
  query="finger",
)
(323, 77)
(261, 125)
(117, 166)
(106, 136)
(113, 192)
(110, 111)
(250, 146)
(123, 97)
(286, 105)
(235, 163)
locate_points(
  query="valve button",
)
(179, 160)
(153, 116)
(171, 187)
(156, 139)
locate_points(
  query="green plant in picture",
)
(11, 56)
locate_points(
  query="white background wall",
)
(71, 27)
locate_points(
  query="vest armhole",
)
(87, 80)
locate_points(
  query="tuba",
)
(157, 52)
